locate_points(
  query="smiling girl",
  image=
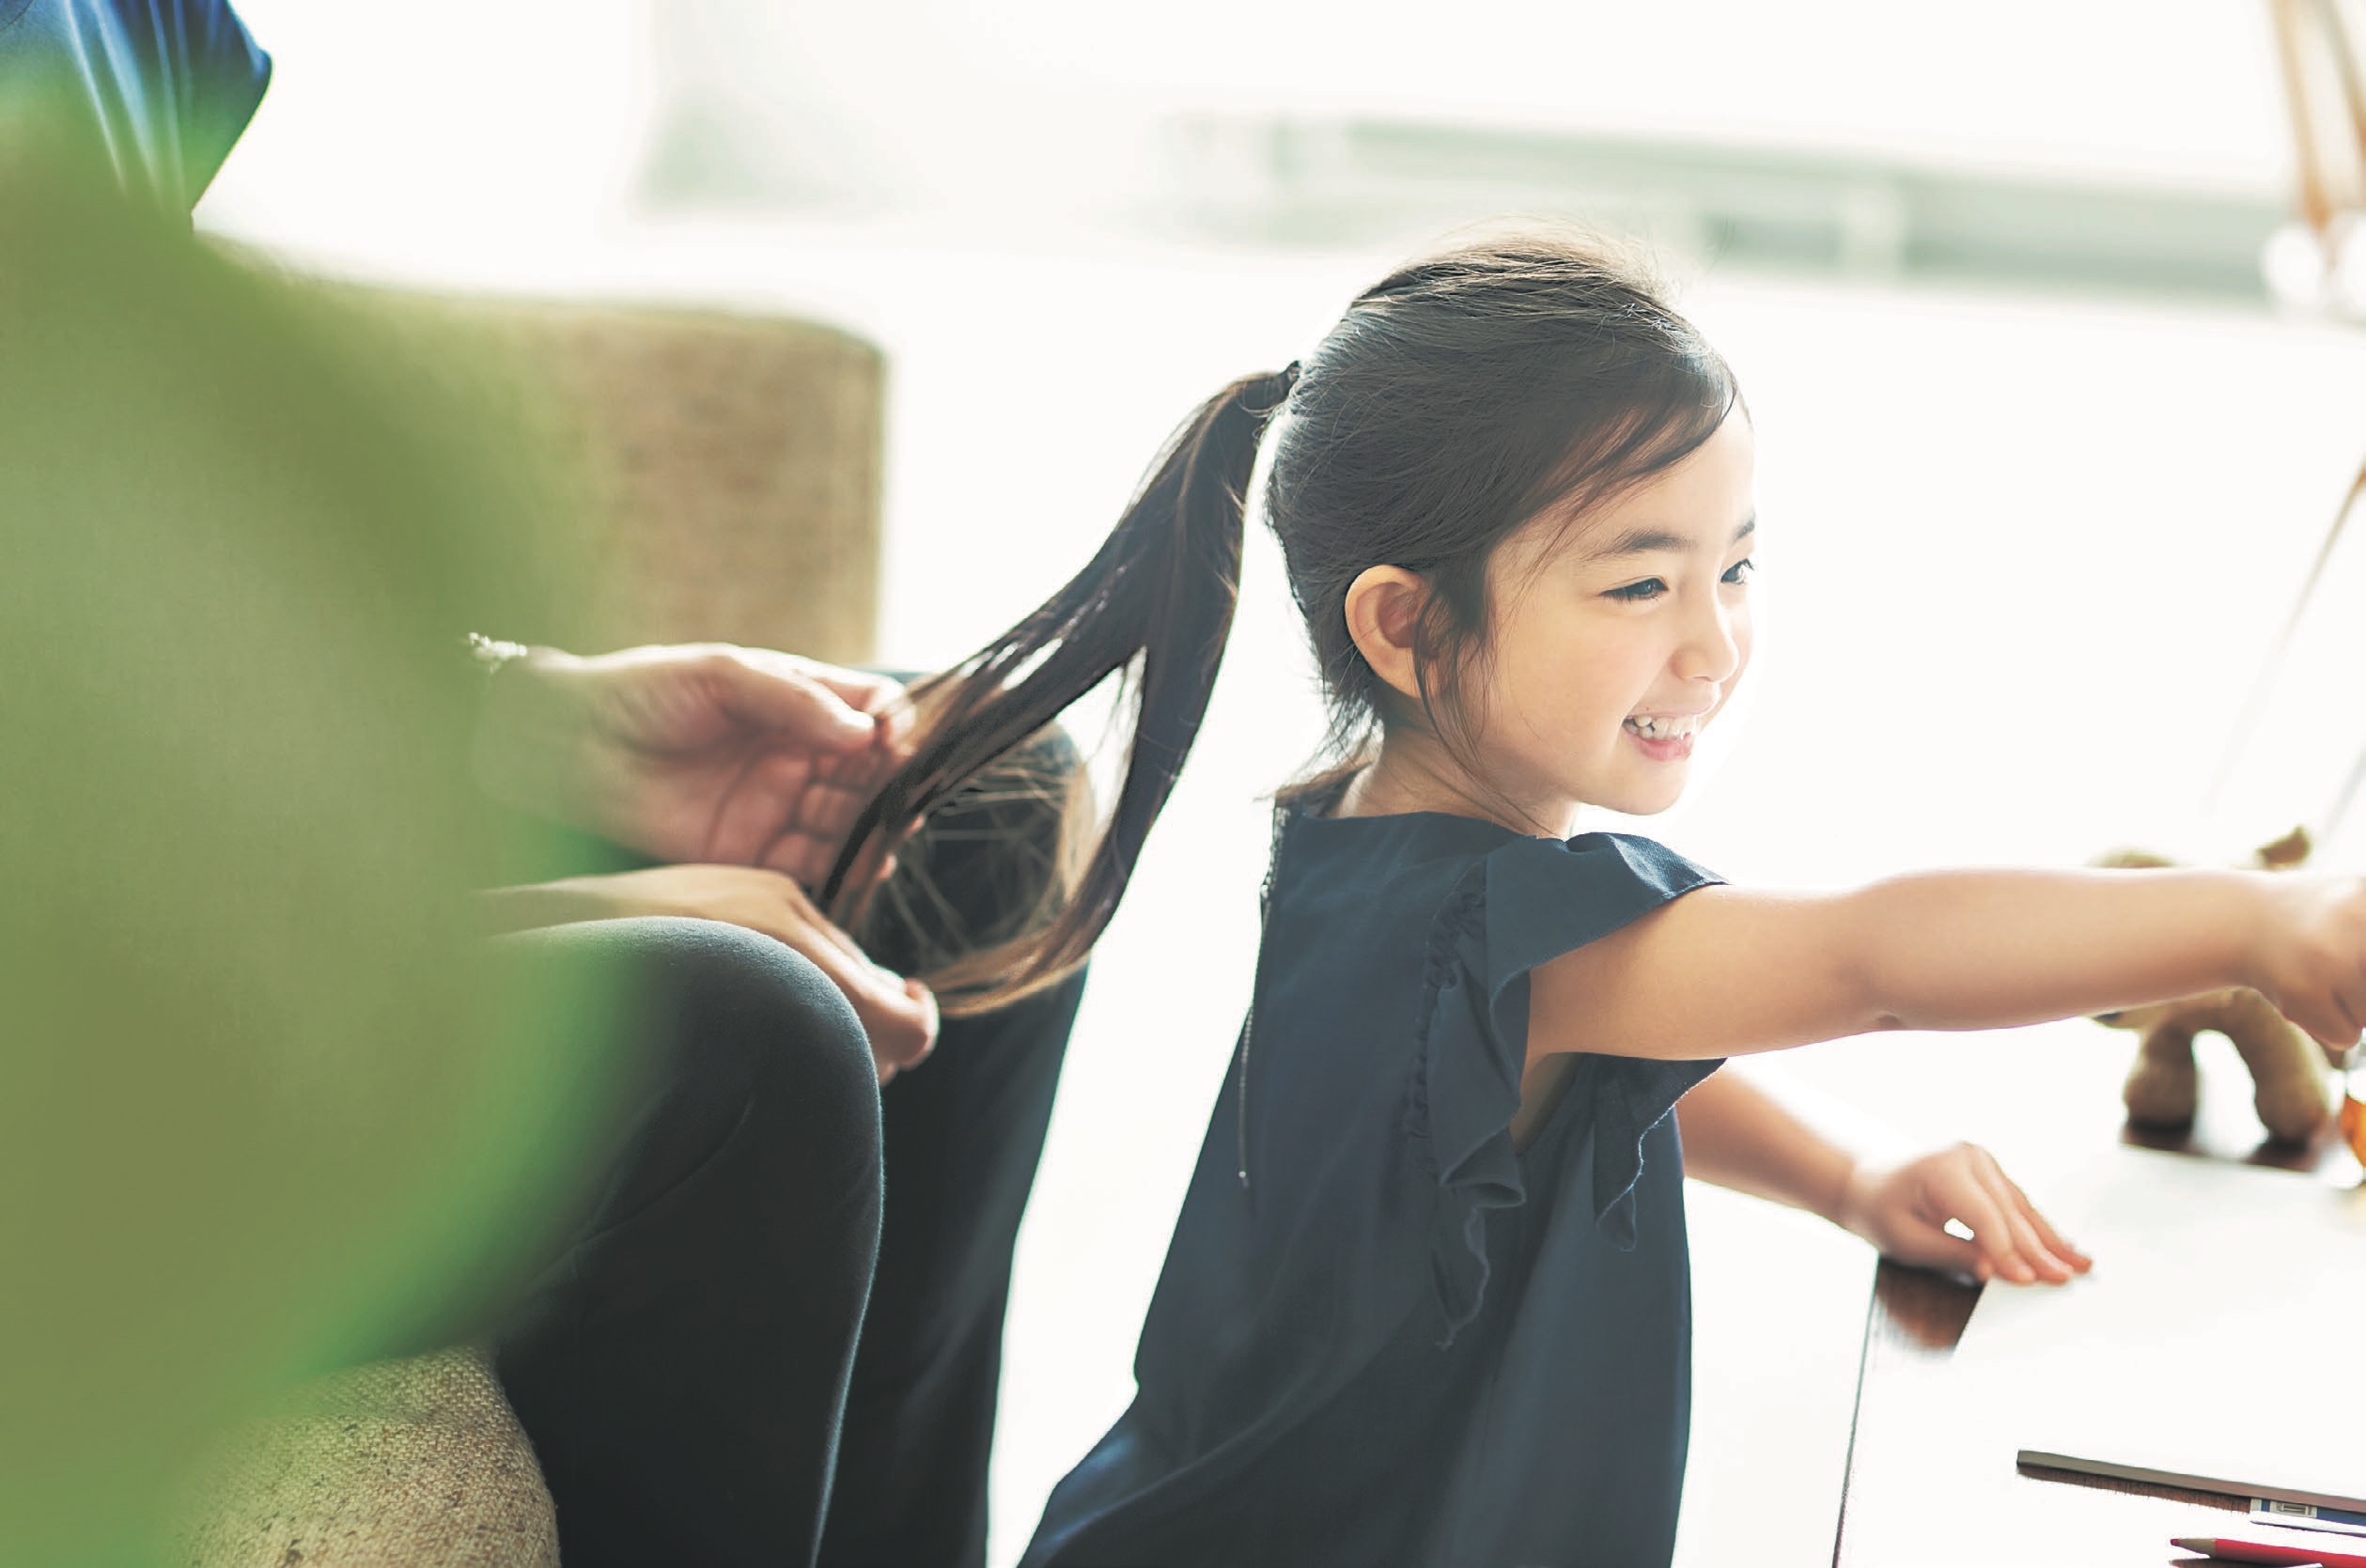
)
(1426, 1302)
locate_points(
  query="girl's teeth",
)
(1664, 729)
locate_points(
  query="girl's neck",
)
(1411, 775)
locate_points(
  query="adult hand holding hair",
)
(700, 753)
(741, 767)
(722, 756)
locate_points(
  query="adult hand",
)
(1902, 1208)
(702, 753)
(899, 1014)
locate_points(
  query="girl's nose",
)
(1711, 650)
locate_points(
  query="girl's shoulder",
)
(1376, 846)
(1410, 852)
(1379, 885)
(1368, 910)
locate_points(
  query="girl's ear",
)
(1384, 604)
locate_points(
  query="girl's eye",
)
(1649, 588)
(1741, 571)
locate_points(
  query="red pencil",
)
(2230, 1549)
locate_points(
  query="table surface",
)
(1908, 1501)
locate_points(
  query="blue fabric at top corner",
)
(162, 89)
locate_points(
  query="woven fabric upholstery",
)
(728, 465)
(408, 1464)
(737, 463)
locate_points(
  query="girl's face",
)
(1616, 641)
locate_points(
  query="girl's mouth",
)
(1664, 738)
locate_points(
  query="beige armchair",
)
(731, 466)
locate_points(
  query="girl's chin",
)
(1650, 796)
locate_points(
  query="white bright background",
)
(2022, 555)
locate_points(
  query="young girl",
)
(1426, 1301)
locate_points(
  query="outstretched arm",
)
(1723, 972)
(1739, 1134)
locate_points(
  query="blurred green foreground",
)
(263, 1107)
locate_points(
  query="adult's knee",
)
(733, 1037)
(756, 1028)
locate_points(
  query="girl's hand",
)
(899, 1014)
(1903, 1209)
(2309, 955)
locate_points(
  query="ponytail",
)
(1157, 600)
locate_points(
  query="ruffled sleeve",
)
(1528, 901)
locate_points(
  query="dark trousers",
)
(775, 1336)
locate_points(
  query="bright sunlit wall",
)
(2024, 549)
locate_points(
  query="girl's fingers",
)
(1954, 1253)
(2351, 1011)
(2031, 1241)
(2329, 1027)
(2029, 1249)
(1965, 1187)
(2072, 1259)
(1978, 1209)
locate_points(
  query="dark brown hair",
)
(1457, 398)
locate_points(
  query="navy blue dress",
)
(1401, 1342)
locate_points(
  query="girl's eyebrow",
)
(1646, 542)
